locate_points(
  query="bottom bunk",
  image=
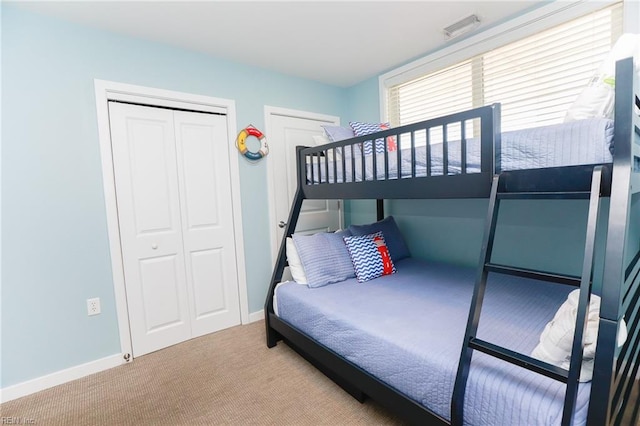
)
(406, 331)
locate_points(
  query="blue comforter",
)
(407, 330)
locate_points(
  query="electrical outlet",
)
(93, 306)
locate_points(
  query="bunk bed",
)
(487, 375)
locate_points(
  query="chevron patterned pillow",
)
(370, 256)
(362, 129)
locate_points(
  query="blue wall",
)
(56, 252)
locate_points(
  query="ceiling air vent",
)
(463, 26)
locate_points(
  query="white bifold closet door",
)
(175, 213)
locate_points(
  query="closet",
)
(175, 214)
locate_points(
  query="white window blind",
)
(536, 79)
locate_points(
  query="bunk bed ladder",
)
(499, 192)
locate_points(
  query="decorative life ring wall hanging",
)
(242, 145)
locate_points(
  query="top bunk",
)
(456, 156)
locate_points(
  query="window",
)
(536, 79)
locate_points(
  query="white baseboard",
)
(59, 377)
(256, 316)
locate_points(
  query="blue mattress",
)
(568, 144)
(407, 329)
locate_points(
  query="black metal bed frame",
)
(616, 370)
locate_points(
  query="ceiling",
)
(340, 43)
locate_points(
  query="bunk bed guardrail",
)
(445, 171)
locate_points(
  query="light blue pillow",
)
(392, 235)
(338, 133)
(324, 257)
(370, 256)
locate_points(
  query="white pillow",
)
(295, 265)
(597, 99)
(556, 339)
(321, 139)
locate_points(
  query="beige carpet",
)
(226, 378)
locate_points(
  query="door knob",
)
(282, 224)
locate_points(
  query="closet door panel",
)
(208, 266)
(158, 276)
(144, 155)
(205, 199)
(200, 179)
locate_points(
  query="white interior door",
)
(175, 221)
(286, 131)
